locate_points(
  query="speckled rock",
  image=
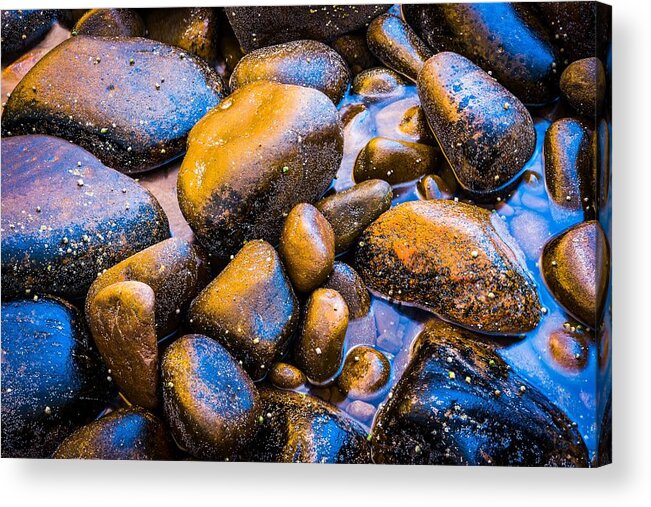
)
(55, 242)
(485, 132)
(394, 161)
(110, 23)
(506, 39)
(303, 62)
(458, 403)
(569, 177)
(258, 27)
(404, 120)
(23, 29)
(397, 46)
(126, 433)
(299, 428)
(378, 83)
(454, 259)
(53, 381)
(307, 246)
(318, 350)
(355, 52)
(583, 86)
(129, 101)
(569, 348)
(286, 376)
(194, 29)
(576, 268)
(353, 210)
(250, 308)
(366, 373)
(350, 286)
(266, 148)
(211, 404)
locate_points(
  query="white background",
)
(627, 482)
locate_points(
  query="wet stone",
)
(194, 29)
(355, 52)
(250, 308)
(353, 210)
(365, 375)
(258, 27)
(569, 349)
(506, 39)
(53, 380)
(110, 23)
(361, 411)
(458, 403)
(454, 259)
(211, 404)
(266, 148)
(378, 83)
(432, 186)
(576, 268)
(300, 428)
(23, 29)
(583, 86)
(304, 62)
(138, 101)
(394, 161)
(569, 177)
(131, 434)
(286, 376)
(404, 120)
(397, 46)
(56, 241)
(307, 246)
(345, 280)
(318, 350)
(485, 132)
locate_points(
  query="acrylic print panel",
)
(333, 234)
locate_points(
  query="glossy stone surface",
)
(454, 259)
(137, 101)
(303, 62)
(485, 132)
(345, 280)
(53, 380)
(404, 120)
(130, 433)
(110, 23)
(378, 83)
(355, 52)
(266, 148)
(459, 404)
(299, 428)
(583, 86)
(365, 374)
(286, 376)
(250, 308)
(66, 216)
(23, 29)
(211, 404)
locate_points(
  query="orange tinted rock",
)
(583, 86)
(365, 374)
(110, 23)
(349, 284)
(286, 376)
(378, 83)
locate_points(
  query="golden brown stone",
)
(365, 374)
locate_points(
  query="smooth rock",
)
(361, 411)
(194, 29)
(569, 349)
(350, 286)
(286, 376)
(266, 148)
(458, 403)
(307, 246)
(23, 29)
(65, 216)
(432, 186)
(404, 120)
(378, 84)
(583, 86)
(394, 161)
(365, 375)
(258, 27)
(397, 46)
(506, 39)
(110, 23)
(307, 63)
(485, 132)
(129, 101)
(353, 210)
(250, 308)
(210, 403)
(318, 350)
(454, 259)
(355, 52)
(576, 268)
(300, 428)
(53, 380)
(126, 433)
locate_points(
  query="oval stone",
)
(286, 376)
(129, 101)
(378, 83)
(583, 86)
(303, 62)
(454, 259)
(266, 148)
(485, 132)
(349, 284)
(365, 374)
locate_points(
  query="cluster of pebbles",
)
(307, 234)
